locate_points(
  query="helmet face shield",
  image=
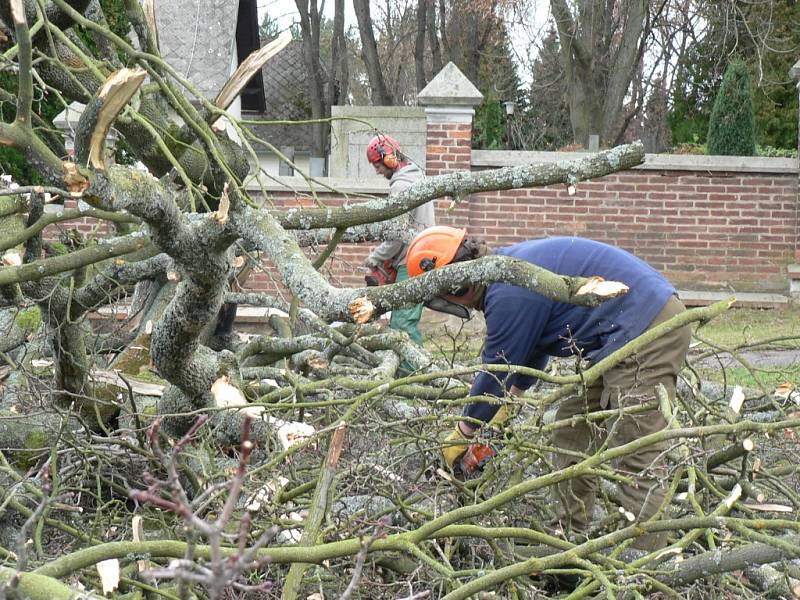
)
(443, 305)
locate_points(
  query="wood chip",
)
(137, 527)
(74, 181)
(109, 574)
(362, 310)
(139, 387)
(737, 399)
(600, 287)
(221, 214)
(768, 507)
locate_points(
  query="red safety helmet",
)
(384, 148)
(433, 248)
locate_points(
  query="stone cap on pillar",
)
(450, 87)
(450, 92)
(794, 72)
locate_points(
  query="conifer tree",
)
(731, 130)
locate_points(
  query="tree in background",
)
(412, 40)
(767, 37)
(498, 81)
(545, 124)
(490, 130)
(775, 27)
(601, 48)
(731, 130)
(369, 52)
(692, 94)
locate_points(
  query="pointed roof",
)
(197, 38)
(450, 87)
(287, 99)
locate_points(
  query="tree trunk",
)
(599, 56)
(380, 93)
(433, 39)
(419, 45)
(337, 84)
(310, 30)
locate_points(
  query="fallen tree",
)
(303, 452)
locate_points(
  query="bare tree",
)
(600, 50)
(369, 50)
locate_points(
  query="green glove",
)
(455, 445)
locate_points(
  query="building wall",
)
(708, 223)
(353, 127)
(704, 231)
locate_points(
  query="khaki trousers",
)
(629, 383)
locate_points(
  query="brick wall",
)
(704, 228)
(704, 231)
(343, 268)
(450, 150)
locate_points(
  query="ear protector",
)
(388, 156)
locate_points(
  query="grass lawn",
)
(744, 326)
(762, 338)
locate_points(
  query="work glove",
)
(455, 445)
(500, 418)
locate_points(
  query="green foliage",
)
(58, 248)
(772, 151)
(775, 97)
(118, 22)
(489, 128)
(269, 29)
(12, 162)
(692, 95)
(545, 123)
(731, 129)
(736, 27)
(689, 148)
(29, 319)
(499, 83)
(117, 16)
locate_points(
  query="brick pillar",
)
(449, 100)
(794, 269)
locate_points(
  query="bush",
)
(489, 128)
(773, 152)
(731, 130)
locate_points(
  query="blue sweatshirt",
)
(525, 328)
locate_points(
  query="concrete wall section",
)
(354, 126)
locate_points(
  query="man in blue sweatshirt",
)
(526, 328)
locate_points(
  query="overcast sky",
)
(524, 27)
(285, 11)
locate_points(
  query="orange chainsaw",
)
(382, 274)
(475, 459)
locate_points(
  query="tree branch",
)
(25, 64)
(461, 184)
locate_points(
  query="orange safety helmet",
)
(383, 148)
(433, 248)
